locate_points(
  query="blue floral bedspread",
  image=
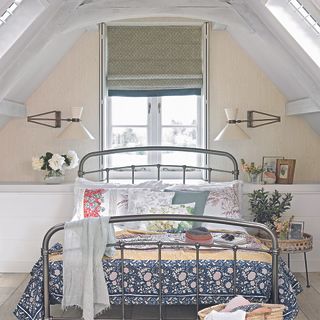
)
(141, 283)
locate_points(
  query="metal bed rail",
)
(274, 251)
(133, 168)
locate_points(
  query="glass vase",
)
(254, 178)
(54, 177)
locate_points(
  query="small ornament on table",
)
(282, 227)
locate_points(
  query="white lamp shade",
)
(231, 113)
(76, 112)
(76, 131)
(231, 132)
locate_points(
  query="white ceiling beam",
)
(147, 3)
(12, 109)
(84, 18)
(39, 67)
(301, 106)
(313, 120)
(4, 120)
(36, 37)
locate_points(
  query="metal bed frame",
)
(120, 245)
(184, 168)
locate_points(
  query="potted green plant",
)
(267, 208)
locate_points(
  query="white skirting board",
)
(29, 210)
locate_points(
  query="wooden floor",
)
(12, 286)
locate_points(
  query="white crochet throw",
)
(83, 278)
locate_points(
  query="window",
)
(167, 120)
(309, 19)
(9, 11)
(300, 23)
(154, 83)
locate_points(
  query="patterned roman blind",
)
(154, 59)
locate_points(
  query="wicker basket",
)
(275, 314)
(292, 245)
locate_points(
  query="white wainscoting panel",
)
(29, 210)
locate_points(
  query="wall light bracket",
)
(38, 118)
(271, 119)
(233, 132)
(75, 130)
(250, 119)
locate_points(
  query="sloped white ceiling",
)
(60, 22)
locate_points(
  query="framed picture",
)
(269, 165)
(296, 229)
(285, 170)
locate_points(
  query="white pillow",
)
(141, 200)
(92, 198)
(95, 202)
(224, 201)
(152, 184)
(137, 201)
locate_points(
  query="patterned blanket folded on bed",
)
(141, 280)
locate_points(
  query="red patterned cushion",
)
(93, 200)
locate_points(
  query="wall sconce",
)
(75, 129)
(233, 132)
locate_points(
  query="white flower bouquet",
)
(54, 164)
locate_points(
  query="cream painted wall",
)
(73, 83)
(236, 81)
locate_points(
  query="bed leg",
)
(275, 275)
(46, 298)
(122, 280)
(160, 279)
(197, 274)
(235, 249)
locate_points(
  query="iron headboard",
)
(184, 168)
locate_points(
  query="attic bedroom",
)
(240, 77)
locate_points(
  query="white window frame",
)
(202, 118)
(154, 134)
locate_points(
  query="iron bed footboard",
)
(274, 251)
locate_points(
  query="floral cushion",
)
(224, 198)
(224, 201)
(93, 203)
(168, 225)
(141, 200)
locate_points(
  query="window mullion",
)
(152, 127)
(159, 121)
(108, 123)
(159, 126)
